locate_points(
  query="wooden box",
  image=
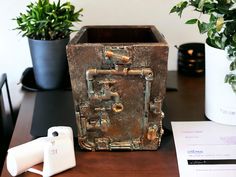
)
(118, 76)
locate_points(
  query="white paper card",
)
(205, 149)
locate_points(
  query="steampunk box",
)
(118, 76)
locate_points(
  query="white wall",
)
(15, 56)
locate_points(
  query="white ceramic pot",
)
(220, 100)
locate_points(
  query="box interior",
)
(118, 35)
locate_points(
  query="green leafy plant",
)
(220, 29)
(48, 21)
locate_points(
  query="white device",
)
(61, 131)
(24, 156)
(56, 151)
(59, 154)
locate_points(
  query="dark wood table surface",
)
(185, 104)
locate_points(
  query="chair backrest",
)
(7, 119)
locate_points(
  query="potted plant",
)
(48, 27)
(220, 48)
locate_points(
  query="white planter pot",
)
(220, 100)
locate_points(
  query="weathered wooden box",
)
(118, 76)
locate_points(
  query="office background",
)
(15, 56)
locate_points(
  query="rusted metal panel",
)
(118, 76)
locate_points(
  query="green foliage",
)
(220, 28)
(179, 7)
(48, 21)
(192, 21)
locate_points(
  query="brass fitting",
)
(122, 58)
(152, 133)
(117, 107)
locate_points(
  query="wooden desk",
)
(185, 104)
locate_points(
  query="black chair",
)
(7, 118)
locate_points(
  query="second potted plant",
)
(220, 98)
(48, 27)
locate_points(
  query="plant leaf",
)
(233, 65)
(201, 4)
(203, 27)
(191, 21)
(234, 37)
(178, 8)
(219, 23)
